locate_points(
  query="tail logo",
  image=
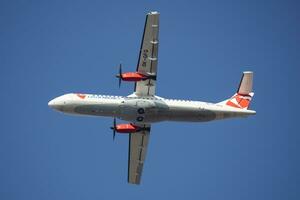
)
(239, 101)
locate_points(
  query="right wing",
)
(138, 143)
(147, 63)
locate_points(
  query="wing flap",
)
(138, 143)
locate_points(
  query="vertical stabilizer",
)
(246, 83)
(242, 98)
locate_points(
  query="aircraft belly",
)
(97, 110)
(192, 114)
(152, 111)
(156, 111)
(144, 111)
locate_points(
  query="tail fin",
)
(242, 98)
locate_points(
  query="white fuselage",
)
(144, 109)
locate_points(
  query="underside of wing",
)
(147, 62)
(137, 153)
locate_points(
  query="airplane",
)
(143, 107)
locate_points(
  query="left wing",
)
(137, 153)
(147, 63)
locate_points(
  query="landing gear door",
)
(142, 104)
(146, 108)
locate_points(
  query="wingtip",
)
(153, 13)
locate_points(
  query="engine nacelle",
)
(133, 76)
(128, 128)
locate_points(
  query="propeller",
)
(119, 75)
(114, 128)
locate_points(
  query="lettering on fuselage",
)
(95, 96)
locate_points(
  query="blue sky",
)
(49, 48)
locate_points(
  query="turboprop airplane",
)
(143, 107)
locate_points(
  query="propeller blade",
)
(120, 80)
(115, 122)
(120, 69)
(114, 129)
(120, 74)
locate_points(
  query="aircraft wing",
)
(137, 153)
(147, 63)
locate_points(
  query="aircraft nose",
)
(55, 104)
(51, 103)
(60, 103)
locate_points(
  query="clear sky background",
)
(48, 48)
